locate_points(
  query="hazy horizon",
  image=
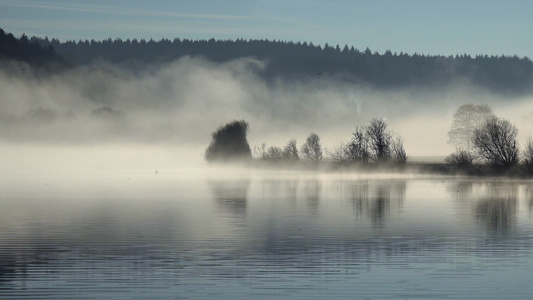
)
(120, 179)
(176, 106)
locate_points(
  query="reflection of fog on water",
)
(266, 230)
(529, 196)
(231, 195)
(461, 190)
(374, 198)
(279, 188)
(312, 189)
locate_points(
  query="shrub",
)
(229, 143)
(460, 158)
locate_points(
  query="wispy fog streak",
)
(179, 104)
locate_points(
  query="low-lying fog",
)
(107, 116)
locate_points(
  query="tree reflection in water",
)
(497, 206)
(280, 188)
(529, 196)
(231, 195)
(374, 198)
(312, 189)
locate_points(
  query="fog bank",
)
(177, 105)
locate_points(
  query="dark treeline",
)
(301, 61)
(29, 51)
(510, 75)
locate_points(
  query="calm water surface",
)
(264, 235)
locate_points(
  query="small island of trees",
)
(485, 145)
(371, 144)
(482, 138)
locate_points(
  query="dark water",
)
(265, 236)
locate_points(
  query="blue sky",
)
(422, 26)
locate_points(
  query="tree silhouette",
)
(290, 151)
(373, 143)
(312, 149)
(466, 120)
(229, 143)
(379, 139)
(358, 148)
(495, 142)
(383, 144)
(274, 153)
(29, 51)
(528, 155)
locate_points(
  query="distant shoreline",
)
(415, 167)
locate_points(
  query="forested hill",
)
(30, 52)
(510, 75)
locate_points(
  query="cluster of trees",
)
(311, 150)
(479, 135)
(301, 60)
(229, 143)
(31, 52)
(373, 143)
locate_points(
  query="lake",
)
(250, 234)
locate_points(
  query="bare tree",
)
(290, 151)
(466, 119)
(372, 143)
(312, 150)
(358, 148)
(273, 153)
(260, 151)
(528, 155)
(354, 151)
(379, 139)
(384, 144)
(495, 142)
(339, 154)
(399, 155)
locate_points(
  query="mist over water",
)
(105, 187)
(269, 234)
(170, 110)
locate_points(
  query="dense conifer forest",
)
(29, 51)
(508, 75)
